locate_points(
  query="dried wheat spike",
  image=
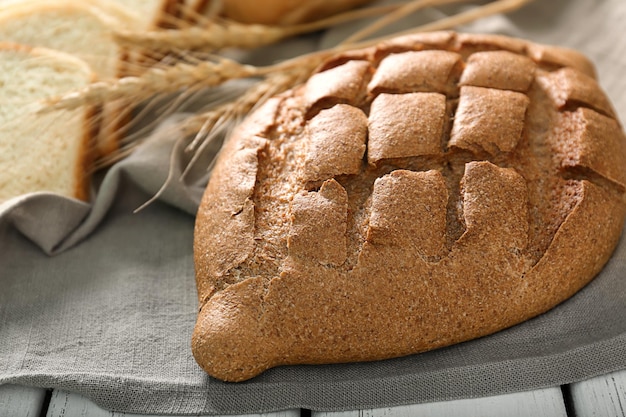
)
(154, 81)
(213, 33)
(212, 73)
(218, 35)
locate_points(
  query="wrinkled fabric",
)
(100, 299)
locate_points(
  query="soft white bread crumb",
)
(151, 12)
(69, 26)
(48, 151)
(77, 28)
(84, 28)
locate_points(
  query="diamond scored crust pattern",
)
(414, 195)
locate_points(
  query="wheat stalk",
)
(281, 77)
(463, 18)
(394, 16)
(212, 73)
(214, 34)
(298, 69)
(154, 81)
(273, 84)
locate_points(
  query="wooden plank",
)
(65, 404)
(16, 401)
(601, 396)
(546, 403)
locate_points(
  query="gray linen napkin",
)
(101, 301)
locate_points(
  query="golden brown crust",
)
(387, 216)
(336, 143)
(421, 198)
(597, 221)
(557, 57)
(397, 119)
(284, 12)
(570, 88)
(84, 168)
(318, 225)
(342, 84)
(499, 69)
(413, 71)
(490, 119)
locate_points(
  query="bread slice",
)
(144, 14)
(76, 28)
(430, 190)
(42, 152)
(85, 28)
(68, 26)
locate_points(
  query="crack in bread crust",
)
(438, 198)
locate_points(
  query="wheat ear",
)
(273, 84)
(156, 80)
(463, 18)
(396, 15)
(286, 75)
(215, 34)
(212, 73)
(202, 124)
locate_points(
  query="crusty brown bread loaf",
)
(430, 190)
(274, 12)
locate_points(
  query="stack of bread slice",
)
(85, 30)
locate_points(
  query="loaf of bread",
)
(42, 152)
(274, 12)
(427, 191)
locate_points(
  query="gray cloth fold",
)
(99, 300)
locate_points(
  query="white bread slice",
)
(74, 27)
(85, 28)
(146, 14)
(48, 151)
(78, 28)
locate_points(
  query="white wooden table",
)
(604, 396)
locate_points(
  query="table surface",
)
(603, 396)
